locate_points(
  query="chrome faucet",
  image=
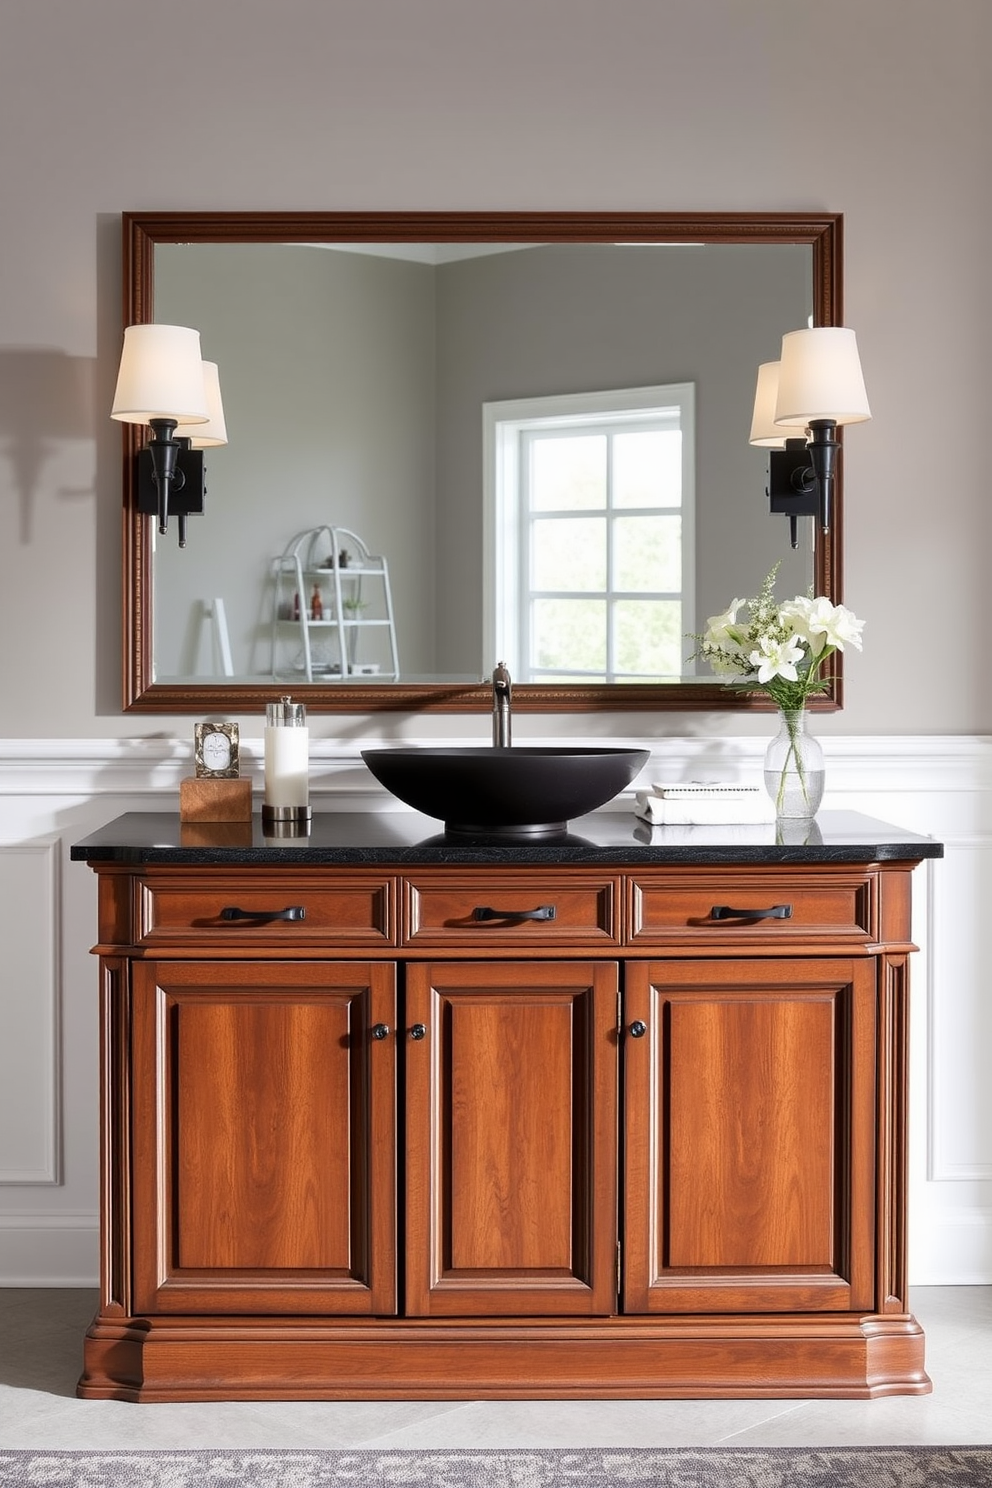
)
(501, 707)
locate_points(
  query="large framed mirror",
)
(447, 396)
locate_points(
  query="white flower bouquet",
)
(783, 649)
(780, 649)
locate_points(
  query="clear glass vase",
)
(794, 774)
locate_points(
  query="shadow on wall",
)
(46, 398)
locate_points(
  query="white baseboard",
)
(953, 1250)
(46, 1250)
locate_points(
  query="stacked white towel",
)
(703, 803)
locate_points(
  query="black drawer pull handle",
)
(515, 916)
(418, 1031)
(638, 1029)
(774, 912)
(380, 1031)
(263, 916)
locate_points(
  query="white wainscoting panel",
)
(30, 1072)
(959, 1035)
(54, 791)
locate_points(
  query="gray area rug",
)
(726, 1467)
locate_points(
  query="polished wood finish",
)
(204, 799)
(511, 1158)
(189, 905)
(340, 1161)
(823, 231)
(440, 910)
(732, 1357)
(829, 902)
(264, 1148)
(749, 1119)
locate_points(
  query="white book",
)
(704, 810)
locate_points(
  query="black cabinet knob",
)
(638, 1029)
(418, 1031)
(380, 1030)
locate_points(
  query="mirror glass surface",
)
(365, 363)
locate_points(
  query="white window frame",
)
(503, 424)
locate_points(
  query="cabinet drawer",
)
(535, 910)
(752, 907)
(249, 909)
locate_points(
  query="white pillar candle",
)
(287, 758)
(287, 761)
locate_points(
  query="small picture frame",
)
(216, 751)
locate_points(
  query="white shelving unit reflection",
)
(356, 602)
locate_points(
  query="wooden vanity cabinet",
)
(603, 1140)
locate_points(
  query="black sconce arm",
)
(801, 477)
(164, 451)
(166, 467)
(824, 448)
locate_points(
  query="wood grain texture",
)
(752, 1128)
(511, 1134)
(184, 908)
(294, 1207)
(511, 1138)
(439, 910)
(618, 1359)
(750, 1119)
(202, 799)
(829, 902)
(264, 1150)
(261, 1131)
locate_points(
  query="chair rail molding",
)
(951, 765)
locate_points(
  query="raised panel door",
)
(750, 1118)
(511, 1072)
(264, 1137)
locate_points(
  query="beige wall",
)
(649, 104)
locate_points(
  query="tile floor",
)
(41, 1332)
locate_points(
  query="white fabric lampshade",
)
(764, 431)
(820, 378)
(214, 431)
(160, 376)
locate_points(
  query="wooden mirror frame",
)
(143, 230)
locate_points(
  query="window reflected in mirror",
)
(590, 559)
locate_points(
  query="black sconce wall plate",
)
(186, 498)
(792, 485)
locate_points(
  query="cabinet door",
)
(511, 1138)
(750, 1135)
(264, 1137)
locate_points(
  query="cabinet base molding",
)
(780, 1357)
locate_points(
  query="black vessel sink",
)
(524, 791)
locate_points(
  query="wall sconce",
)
(816, 386)
(163, 382)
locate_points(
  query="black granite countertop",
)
(407, 839)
